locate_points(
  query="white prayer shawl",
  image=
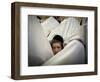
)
(69, 29)
(74, 51)
(39, 49)
(49, 25)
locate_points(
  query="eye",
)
(58, 47)
(53, 47)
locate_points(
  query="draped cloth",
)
(69, 29)
(39, 35)
(49, 24)
(39, 49)
(74, 38)
(73, 53)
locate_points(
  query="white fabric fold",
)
(49, 24)
(74, 37)
(69, 29)
(73, 53)
(39, 49)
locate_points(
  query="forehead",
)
(56, 44)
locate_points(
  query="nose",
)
(56, 50)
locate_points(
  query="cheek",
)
(59, 49)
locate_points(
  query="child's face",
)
(56, 47)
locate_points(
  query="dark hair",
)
(57, 39)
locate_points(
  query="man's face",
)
(56, 47)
